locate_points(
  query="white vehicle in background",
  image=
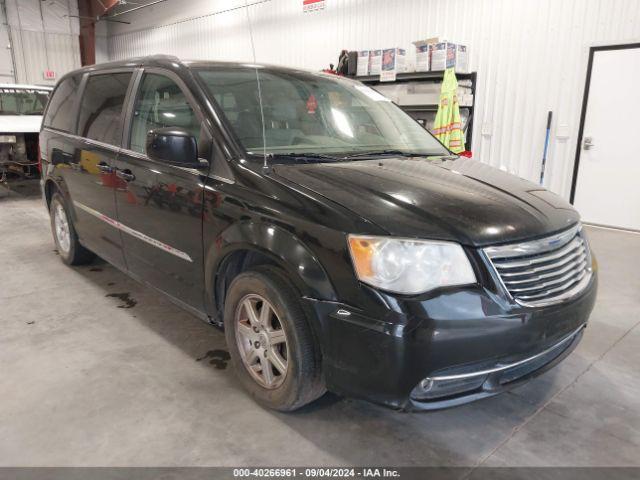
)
(21, 108)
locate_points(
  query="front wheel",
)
(64, 234)
(270, 341)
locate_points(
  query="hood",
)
(20, 123)
(459, 200)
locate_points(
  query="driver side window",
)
(160, 103)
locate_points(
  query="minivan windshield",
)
(306, 113)
(17, 101)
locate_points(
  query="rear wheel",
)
(270, 340)
(64, 234)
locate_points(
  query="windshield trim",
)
(306, 158)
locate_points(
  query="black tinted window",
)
(60, 112)
(101, 107)
(299, 112)
(160, 103)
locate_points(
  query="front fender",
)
(276, 243)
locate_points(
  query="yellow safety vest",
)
(448, 126)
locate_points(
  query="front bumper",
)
(468, 334)
(448, 389)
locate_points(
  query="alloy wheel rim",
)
(61, 224)
(261, 341)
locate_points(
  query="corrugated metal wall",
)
(6, 57)
(530, 55)
(43, 37)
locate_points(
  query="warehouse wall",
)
(6, 58)
(530, 54)
(43, 37)
(102, 43)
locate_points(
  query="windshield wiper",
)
(373, 153)
(400, 153)
(314, 156)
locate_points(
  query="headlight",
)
(409, 266)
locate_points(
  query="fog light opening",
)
(435, 388)
(426, 384)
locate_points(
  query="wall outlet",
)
(562, 132)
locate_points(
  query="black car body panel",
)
(186, 232)
(383, 359)
(420, 197)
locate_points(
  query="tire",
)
(302, 381)
(64, 234)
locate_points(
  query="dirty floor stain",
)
(128, 302)
(217, 358)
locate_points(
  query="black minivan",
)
(338, 243)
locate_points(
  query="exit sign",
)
(312, 5)
(49, 75)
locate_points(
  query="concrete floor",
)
(87, 381)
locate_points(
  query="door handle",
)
(104, 168)
(125, 175)
(588, 143)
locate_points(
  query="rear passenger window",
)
(101, 107)
(160, 103)
(60, 114)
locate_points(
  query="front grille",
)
(545, 271)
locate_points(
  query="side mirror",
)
(175, 146)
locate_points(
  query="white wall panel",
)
(7, 74)
(530, 55)
(102, 44)
(43, 37)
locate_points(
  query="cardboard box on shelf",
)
(363, 63)
(375, 62)
(423, 62)
(443, 56)
(462, 59)
(449, 55)
(393, 62)
(428, 93)
(423, 54)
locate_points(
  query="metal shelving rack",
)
(374, 80)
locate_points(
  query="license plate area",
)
(7, 139)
